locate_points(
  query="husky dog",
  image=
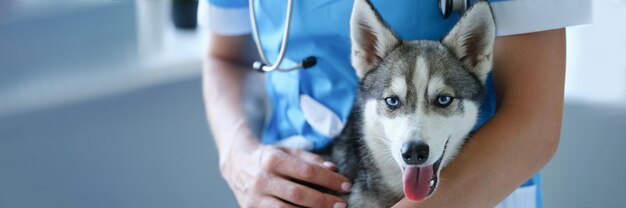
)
(417, 102)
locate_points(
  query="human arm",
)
(259, 175)
(522, 136)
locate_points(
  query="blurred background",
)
(101, 106)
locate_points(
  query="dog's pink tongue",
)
(417, 182)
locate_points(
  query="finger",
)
(272, 202)
(302, 195)
(293, 167)
(312, 158)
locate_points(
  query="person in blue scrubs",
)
(516, 135)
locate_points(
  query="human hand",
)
(267, 176)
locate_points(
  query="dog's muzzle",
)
(419, 181)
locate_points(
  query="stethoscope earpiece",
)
(258, 66)
(309, 62)
(306, 63)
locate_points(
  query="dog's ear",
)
(472, 39)
(371, 37)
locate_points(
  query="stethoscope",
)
(446, 7)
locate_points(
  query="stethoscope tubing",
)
(266, 66)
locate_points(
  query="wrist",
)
(235, 144)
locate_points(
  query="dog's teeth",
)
(432, 182)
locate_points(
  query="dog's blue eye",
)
(444, 101)
(392, 102)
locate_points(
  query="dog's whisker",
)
(383, 138)
(387, 151)
(386, 160)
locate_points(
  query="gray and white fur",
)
(418, 74)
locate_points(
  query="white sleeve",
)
(526, 16)
(222, 20)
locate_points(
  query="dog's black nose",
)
(414, 153)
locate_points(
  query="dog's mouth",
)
(420, 182)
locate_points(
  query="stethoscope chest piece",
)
(448, 6)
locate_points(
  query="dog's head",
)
(420, 99)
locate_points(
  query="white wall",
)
(588, 169)
(596, 56)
